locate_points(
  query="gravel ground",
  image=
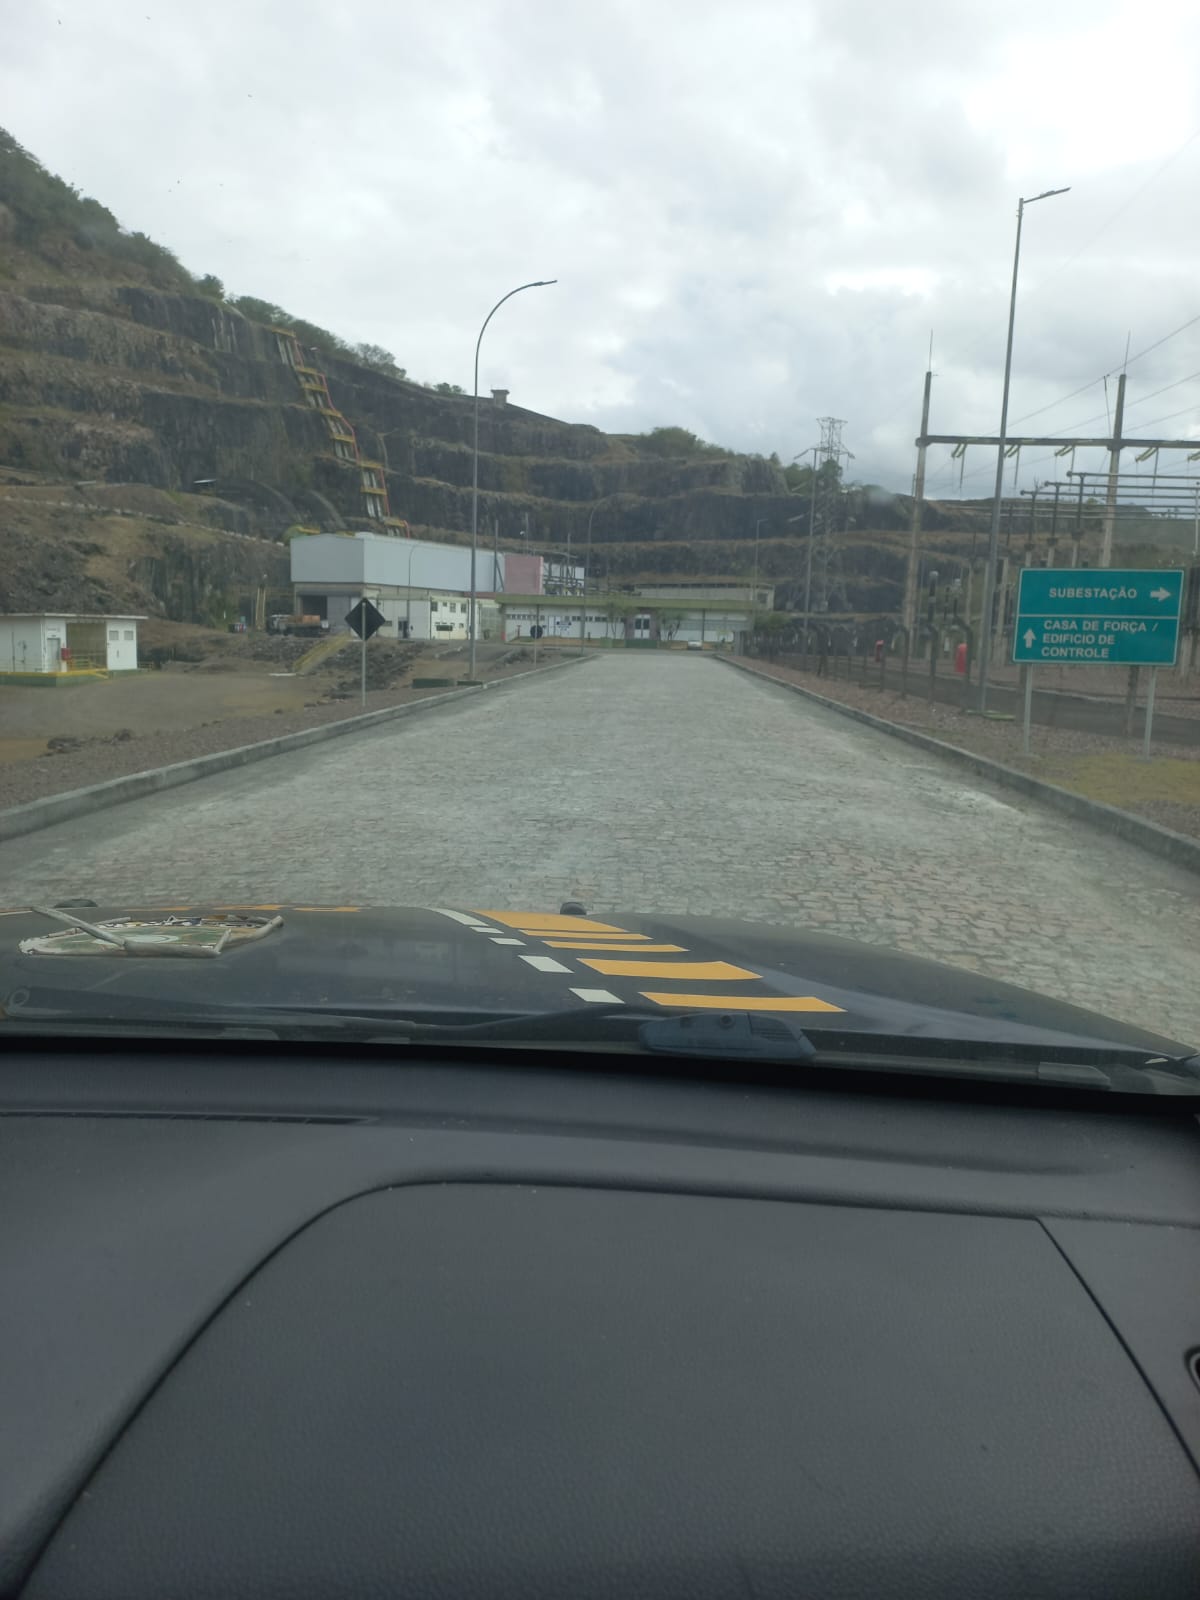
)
(1165, 790)
(1181, 698)
(99, 760)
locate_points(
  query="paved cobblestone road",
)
(661, 783)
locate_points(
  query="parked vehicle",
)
(284, 622)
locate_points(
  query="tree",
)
(448, 388)
(211, 286)
(799, 478)
(261, 311)
(676, 442)
(378, 359)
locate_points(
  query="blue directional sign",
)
(1118, 616)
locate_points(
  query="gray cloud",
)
(757, 213)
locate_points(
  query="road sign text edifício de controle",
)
(1109, 617)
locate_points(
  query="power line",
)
(1190, 323)
(1083, 389)
(1122, 208)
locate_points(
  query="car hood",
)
(441, 963)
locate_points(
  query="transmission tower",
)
(830, 447)
(829, 583)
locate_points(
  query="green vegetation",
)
(378, 359)
(53, 221)
(676, 442)
(800, 478)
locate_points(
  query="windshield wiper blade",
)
(701, 1036)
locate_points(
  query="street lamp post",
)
(989, 576)
(538, 283)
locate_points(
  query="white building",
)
(422, 588)
(62, 641)
(712, 615)
(557, 620)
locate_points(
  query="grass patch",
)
(1125, 780)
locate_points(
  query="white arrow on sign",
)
(1030, 637)
(1160, 594)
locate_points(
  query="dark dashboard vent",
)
(1194, 1366)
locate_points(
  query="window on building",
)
(114, 633)
(129, 634)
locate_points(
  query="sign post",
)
(364, 619)
(1107, 616)
(1149, 712)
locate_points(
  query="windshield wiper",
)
(701, 1036)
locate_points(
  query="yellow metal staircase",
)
(315, 388)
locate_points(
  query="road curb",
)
(1174, 847)
(45, 813)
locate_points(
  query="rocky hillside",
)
(118, 368)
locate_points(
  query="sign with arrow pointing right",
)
(1101, 616)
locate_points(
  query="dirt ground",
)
(233, 677)
(146, 702)
(111, 748)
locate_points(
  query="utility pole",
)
(914, 541)
(754, 589)
(1114, 464)
(812, 534)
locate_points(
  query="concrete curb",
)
(55, 808)
(1174, 847)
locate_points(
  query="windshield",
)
(521, 512)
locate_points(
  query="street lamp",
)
(989, 576)
(538, 283)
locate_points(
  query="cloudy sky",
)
(758, 212)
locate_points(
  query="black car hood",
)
(440, 964)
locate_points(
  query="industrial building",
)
(711, 615)
(422, 588)
(56, 642)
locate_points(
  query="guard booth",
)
(39, 643)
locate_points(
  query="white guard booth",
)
(50, 642)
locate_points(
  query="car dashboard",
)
(287, 1320)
